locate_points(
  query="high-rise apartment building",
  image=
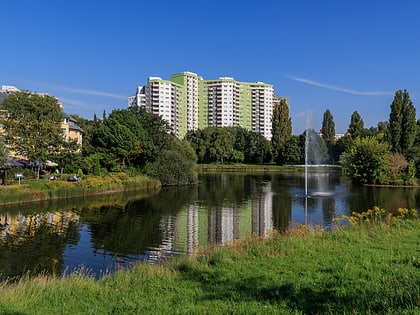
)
(188, 102)
(164, 98)
(189, 108)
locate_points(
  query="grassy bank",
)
(261, 168)
(36, 190)
(361, 269)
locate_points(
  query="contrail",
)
(47, 85)
(93, 92)
(340, 89)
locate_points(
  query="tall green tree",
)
(33, 125)
(328, 134)
(356, 126)
(402, 124)
(328, 127)
(281, 130)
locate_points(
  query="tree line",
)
(135, 141)
(129, 140)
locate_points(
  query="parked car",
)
(73, 178)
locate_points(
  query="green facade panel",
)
(242, 100)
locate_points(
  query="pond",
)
(101, 234)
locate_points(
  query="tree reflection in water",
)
(107, 232)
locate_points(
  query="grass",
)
(36, 190)
(365, 268)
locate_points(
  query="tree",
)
(402, 124)
(328, 134)
(175, 164)
(341, 145)
(293, 151)
(88, 126)
(328, 128)
(157, 132)
(281, 130)
(195, 138)
(366, 161)
(356, 126)
(4, 152)
(33, 125)
(229, 144)
(221, 147)
(257, 149)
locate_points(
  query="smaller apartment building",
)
(195, 103)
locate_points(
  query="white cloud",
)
(92, 92)
(76, 103)
(340, 89)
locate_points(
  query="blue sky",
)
(344, 56)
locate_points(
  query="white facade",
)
(192, 101)
(262, 109)
(139, 99)
(8, 89)
(160, 97)
(223, 102)
(187, 102)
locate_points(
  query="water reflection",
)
(103, 233)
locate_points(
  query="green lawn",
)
(353, 270)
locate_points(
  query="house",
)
(71, 130)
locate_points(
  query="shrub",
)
(174, 165)
(26, 172)
(366, 161)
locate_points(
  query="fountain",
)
(314, 159)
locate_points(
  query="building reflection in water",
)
(155, 228)
(199, 226)
(262, 212)
(223, 208)
(26, 225)
(192, 242)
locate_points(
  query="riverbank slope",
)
(360, 269)
(37, 190)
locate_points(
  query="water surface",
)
(103, 233)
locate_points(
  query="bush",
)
(174, 165)
(366, 161)
(26, 172)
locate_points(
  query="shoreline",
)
(264, 168)
(40, 190)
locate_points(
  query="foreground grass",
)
(355, 270)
